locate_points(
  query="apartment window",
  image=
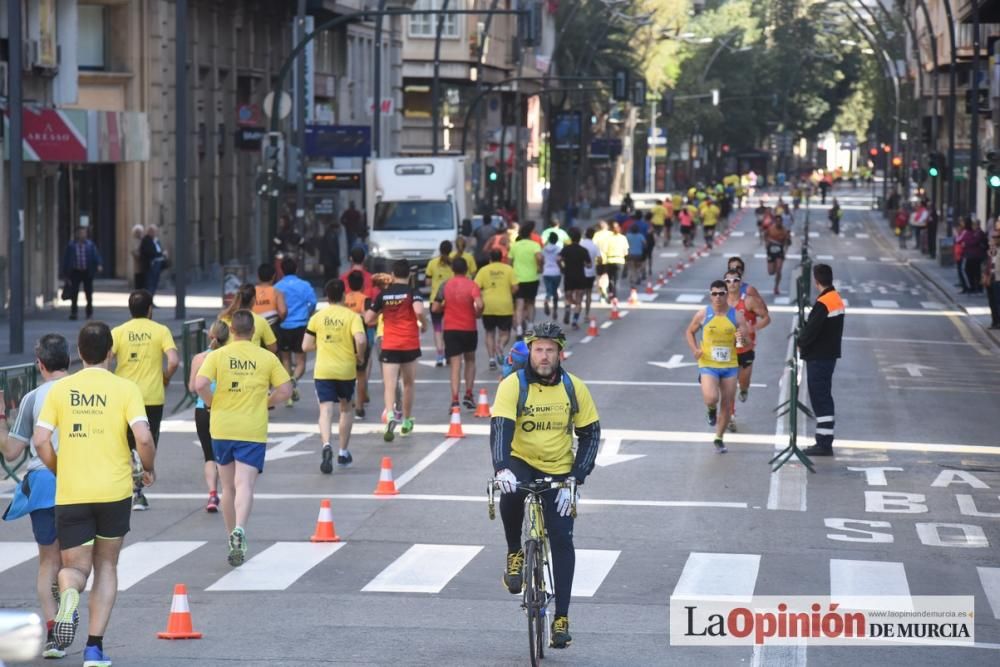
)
(91, 50)
(426, 25)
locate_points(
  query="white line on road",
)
(857, 258)
(15, 553)
(825, 258)
(423, 568)
(138, 561)
(989, 577)
(869, 584)
(932, 305)
(592, 568)
(884, 303)
(277, 567)
(690, 298)
(861, 235)
(423, 463)
(708, 576)
(860, 339)
(605, 325)
(584, 340)
(786, 487)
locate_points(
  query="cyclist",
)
(531, 436)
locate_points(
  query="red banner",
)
(53, 137)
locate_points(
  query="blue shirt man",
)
(300, 300)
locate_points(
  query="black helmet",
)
(549, 330)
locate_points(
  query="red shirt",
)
(459, 295)
(366, 287)
(400, 330)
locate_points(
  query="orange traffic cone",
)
(179, 624)
(614, 310)
(670, 274)
(455, 426)
(592, 329)
(325, 530)
(661, 280)
(483, 405)
(633, 297)
(386, 485)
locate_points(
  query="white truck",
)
(412, 204)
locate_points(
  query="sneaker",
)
(407, 428)
(493, 364)
(732, 425)
(566, 317)
(289, 403)
(326, 465)
(52, 649)
(711, 416)
(816, 450)
(469, 403)
(139, 502)
(512, 577)
(345, 459)
(237, 547)
(744, 393)
(560, 637)
(547, 309)
(390, 427)
(499, 360)
(95, 657)
(213, 504)
(359, 413)
(295, 394)
(440, 361)
(454, 404)
(720, 446)
(64, 630)
(576, 326)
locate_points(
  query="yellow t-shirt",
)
(438, 273)
(263, 334)
(469, 260)
(718, 340)
(92, 409)
(496, 281)
(334, 328)
(139, 345)
(659, 212)
(710, 215)
(243, 373)
(541, 436)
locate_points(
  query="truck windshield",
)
(407, 216)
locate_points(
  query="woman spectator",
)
(902, 219)
(991, 275)
(972, 243)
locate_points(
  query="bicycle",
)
(537, 595)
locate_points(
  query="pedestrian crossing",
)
(429, 569)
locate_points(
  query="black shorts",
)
(398, 356)
(494, 322)
(578, 284)
(79, 524)
(775, 256)
(290, 340)
(202, 418)
(332, 391)
(154, 415)
(460, 342)
(527, 291)
(588, 283)
(746, 359)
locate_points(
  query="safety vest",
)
(266, 303)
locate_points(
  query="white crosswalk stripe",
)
(592, 568)
(869, 584)
(424, 568)
(277, 567)
(861, 235)
(782, 300)
(690, 298)
(989, 577)
(138, 561)
(707, 575)
(13, 554)
(884, 303)
(932, 305)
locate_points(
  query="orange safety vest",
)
(834, 304)
(266, 303)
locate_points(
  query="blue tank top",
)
(200, 403)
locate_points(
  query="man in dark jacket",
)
(819, 344)
(81, 262)
(153, 258)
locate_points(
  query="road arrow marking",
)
(676, 361)
(608, 456)
(280, 450)
(915, 370)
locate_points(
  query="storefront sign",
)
(82, 136)
(250, 138)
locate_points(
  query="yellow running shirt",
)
(718, 340)
(334, 328)
(92, 409)
(243, 373)
(139, 345)
(263, 334)
(710, 215)
(438, 272)
(542, 438)
(496, 280)
(659, 212)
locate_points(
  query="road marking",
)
(989, 577)
(138, 561)
(932, 305)
(737, 234)
(884, 303)
(668, 254)
(787, 487)
(869, 584)
(676, 361)
(277, 567)
(861, 235)
(423, 568)
(814, 235)
(717, 575)
(857, 258)
(825, 258)
(782, 300)
(690, 298)
(609, 453)
(15, 553)
(604, 325)
(280, 450)
(690, 307)
(592, 568)
(967, 336)
(902, 340)
(914, 370)
(584, 340)
(425, 462)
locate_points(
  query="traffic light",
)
(639, 92)
(992, 164)
(667, 104)
(873, 152)
(620, 88)
(715, 97)
(934, 165)
(492, 175)
(897, 161)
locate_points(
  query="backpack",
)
(516, 362)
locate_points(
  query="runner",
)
(636, 255)
(591, 269)
(776, 241)
(710, 213)
(757, 317)
(218, 335)
(403, 317)
(140, 346)
(337, 335)
(358, 264)
(245, 298)
(92, 409)
(551, 273)
(735, 263)
(462, 303)
(52, 361)
(658, 217)
(300, 299)
(461, 251)
(243, 375)
(575, 260)
(356, 300)
(617, 249)
(718, 367)
(526, 258)
(497, 285)
(269, 303)
(439, 270)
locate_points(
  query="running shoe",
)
(743, 395)
(566, 317)
(493, 364)
(560, 633)
(499, 360)
(513, 579)
(326, 465)
(720, 446)
(295, 393)
(139, 502)
(289, 403)
(440, 361)
(237, 547)
(407, 428)
(732, 425)
(64, 630)
(52, 649)
(359, 413)
(345, 459)
(547, 309)
(390, 427)
(712, 416)
(469, 403)
(95, 657)
(213, 504)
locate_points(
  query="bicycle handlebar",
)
(534, 487)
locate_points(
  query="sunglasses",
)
(733, 281)
(718, 294)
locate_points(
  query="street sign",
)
(249, 138)
(284, 105)
(329, 141)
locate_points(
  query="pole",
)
(376, 81)
(481, 112)
(651, 147)
(952, 112)
(181, 165)
(15, 230)
(974, 133)
(436, 82)
(300, 114)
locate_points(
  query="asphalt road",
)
(416, 579)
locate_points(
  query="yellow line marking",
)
(967, 336)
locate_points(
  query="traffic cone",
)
(325, 530)
(483, 405)
(680, 266)
(455, 426)
(661, 279)
(614, 310)
(386, 486)
(649, 287)
(592, 329)
(670, 274)
(179, 624)
(633, 297)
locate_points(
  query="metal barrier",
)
(16, 381)
(194, 339)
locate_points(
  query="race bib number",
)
(723, 354)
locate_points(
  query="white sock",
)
(343, 452)
(325, 445)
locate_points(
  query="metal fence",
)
(194, 339)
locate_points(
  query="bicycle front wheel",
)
(534, 601)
